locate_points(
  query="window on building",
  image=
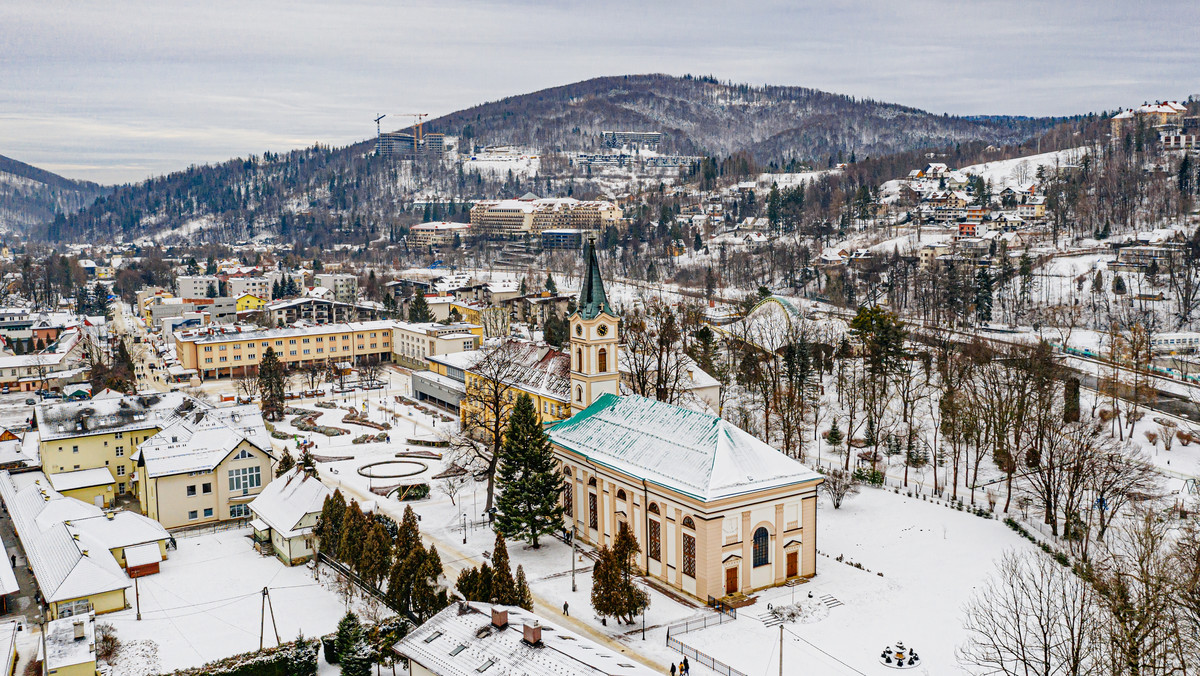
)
(593, 516)
(762, 545)
(602, 360)
(239, 511)
(244, 478)
(74, 449)
(621, 494)
(578, 360)
(688, 523)
(653, 508)
(191, 491)
(689, 555)
(654, 550)
(579, 393)
(121, 488)
(193, 515)
(120, 470)
(120, 451)
(208, 511)
(206, 488)
(569, 499)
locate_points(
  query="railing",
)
(722, 607)
(700, 658)
(724, 613)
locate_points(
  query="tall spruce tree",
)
(529, 478)
(329, 524)
(613, 592)
(504, 588)
(271, 385)
(418, 309)
(286, 462)
(524, 595)
(349, 633)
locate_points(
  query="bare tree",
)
(1033, 617)
(369, 370)
(1121, 474)
(653, 353)
(838, 485)
(486, 404)
(247, 385)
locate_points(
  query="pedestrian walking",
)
(672, 669)
(682, 669)
(566, 609)
(687, 668)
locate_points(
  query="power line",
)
(797, 637)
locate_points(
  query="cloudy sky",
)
(119, 90)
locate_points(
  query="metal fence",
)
(700, 658)
(691, 653)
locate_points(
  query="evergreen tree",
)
(504, 588)
(357, 659)
(286, 462)
(307, 464)
(271, 385)
(773, 207)
(349, 633)
(403, 576)
(329, 525)
(613, 591)
(418, 309)
(550, 285)
(834, 438)
(408, 537)
(524, 595)
(276, 291)
(528, 477)
(427, 598)
(983, 296)
(354, 532)
(1118, 285)
(210, 268)
(376, 555)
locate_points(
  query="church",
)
(715, 510)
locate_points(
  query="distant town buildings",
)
(532, 215)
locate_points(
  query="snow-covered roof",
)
(200, 441)
(697, 454)
(462, 641)
(288, 499)
(67, 541)
(106, 414)
(81, 478)
(143, 555)
(63, 649)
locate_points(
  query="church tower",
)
(593, 339)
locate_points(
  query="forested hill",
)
(320, 195)
(29, 195)
(700, 116)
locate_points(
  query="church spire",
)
(592, 299)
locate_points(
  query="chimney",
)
(78, 625)
(533, 633)
(499, 618)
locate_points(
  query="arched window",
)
(566, 471)
(654, 508)
(578, 360)
(762, 542)
(621, 494)
(579, 393)
(603, 360)
(688, 523)
(569, 499)
(592, 481)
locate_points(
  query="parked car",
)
(31, 402)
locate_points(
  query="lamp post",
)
(573, 588)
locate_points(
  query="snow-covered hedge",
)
(290, 659)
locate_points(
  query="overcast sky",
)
(118, 90)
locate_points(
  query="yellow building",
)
(285, 514)
(76, 550)
(205, 467)
(102, 433)
(70, 645)
(249, 302)
(230, 351)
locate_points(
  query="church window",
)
(578, 360)
(621, 494)
(654, 550)
(688, 523)
(593, 515)
(762, 541)
(579, 393)
(569, 499)
(603, 360)
(654, 508)
(689, 555)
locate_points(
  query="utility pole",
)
(573, 528)
(781, 650)
(137, 596)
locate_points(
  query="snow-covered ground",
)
(1021, 171)
(205, 604)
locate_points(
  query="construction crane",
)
(417, 126)
(377, 132)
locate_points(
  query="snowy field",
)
(205, 604)
(1022, 170)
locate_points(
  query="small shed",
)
(142, 560)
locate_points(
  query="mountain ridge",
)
(30, 195)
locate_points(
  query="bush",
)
(330, 649)
(290, 659)
(868, 476)
(415, 492)
(1184, 438)
(107, 644)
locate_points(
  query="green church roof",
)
(592, 299)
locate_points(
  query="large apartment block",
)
(343, 286)
(255, 286)
(530, 215)
(196, 286)
(233, 351)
